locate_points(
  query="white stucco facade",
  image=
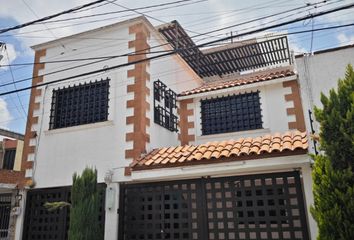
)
(61, 152)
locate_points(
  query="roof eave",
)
(240, 87)
(223, 160)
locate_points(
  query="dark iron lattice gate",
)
(42, 224)
(266, 206)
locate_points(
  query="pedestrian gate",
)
(40, 223)
(5, 210)
(267, 206)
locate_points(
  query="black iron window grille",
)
(165, 106)
(79, 104)
(231, 113)
(5, 210)
(159, 90)
(9, 159)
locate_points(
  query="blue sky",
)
(202, 16)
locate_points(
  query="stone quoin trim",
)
(184, 125)
(297, 111)
(139, 137)
(27, 162)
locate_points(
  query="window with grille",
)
(231, 113)
(80, 104)
(9, 159)
(165, 106)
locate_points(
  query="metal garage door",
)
(267, 206)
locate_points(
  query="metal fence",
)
(5, 210)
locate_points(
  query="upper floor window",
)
(9, 159)
(81, 104)
(165, 106)
(231, 114)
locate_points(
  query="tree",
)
(333, 175)
(337, 122)
(84, 212)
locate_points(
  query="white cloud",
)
(8, 57)
(343, 39)
(5, 116)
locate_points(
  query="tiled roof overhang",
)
(262, 76)
(289, 143)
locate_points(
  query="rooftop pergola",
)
(228, 59)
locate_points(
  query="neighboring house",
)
(204, 144)
(319, 72)
(11, 179)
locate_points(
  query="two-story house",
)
(200, 144)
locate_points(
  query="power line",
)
(267, 16)
(82, 59)
(199, 34)
(127, 10)
(22, 34)
(35, 14)
(157, 76)
(154, 52)
(192, 36)
(90, 8)
(262, 18)
(49, 17)
(13, 81)
(154, 18)
(26, 79)
(348, 6)
(3, 46)
(100, 20)
(82, 65)
(269, 4)
(197, 46)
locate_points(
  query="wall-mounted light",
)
(108, 177)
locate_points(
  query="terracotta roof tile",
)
(243, 80)
(258, 147)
